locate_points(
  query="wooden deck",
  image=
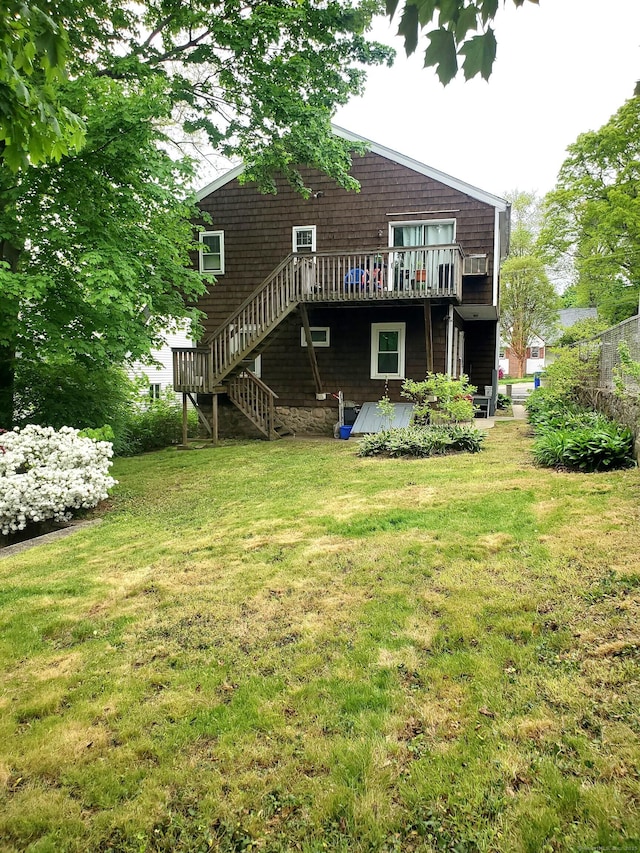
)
(381, 275)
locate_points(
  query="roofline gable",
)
(389, 154)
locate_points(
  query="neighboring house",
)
(540, 352)
(535, 361)
(342, 292)
(160, 376)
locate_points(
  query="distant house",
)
(341, 292)
(160, 376)
(540, 351)
(535, 359)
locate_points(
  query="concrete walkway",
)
(519, 414)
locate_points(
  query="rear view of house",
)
(342, 291)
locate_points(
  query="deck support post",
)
(310, 348)
(214, 419)
(428, 334)
(184, 420)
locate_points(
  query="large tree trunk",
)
(7, 383)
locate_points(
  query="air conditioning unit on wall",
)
(475, 265)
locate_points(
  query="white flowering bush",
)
(47, 473)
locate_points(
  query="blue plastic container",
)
(345, 431)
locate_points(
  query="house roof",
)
(421, 168)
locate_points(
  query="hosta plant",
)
(422, 441)
(45, 474)
(591, 447)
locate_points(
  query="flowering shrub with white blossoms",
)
(46, 473)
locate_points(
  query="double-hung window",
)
(212, 252)
(304, 239)
(388, 350)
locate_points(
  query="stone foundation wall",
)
(624, 410)
(301, 420)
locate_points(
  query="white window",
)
(255, 365)
(535, 352)
(212, 252)
(304, 239)
(387, 350)
(154, 391)
(439, 232)
(320, 336)
(502, 353)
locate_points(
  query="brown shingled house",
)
(342, 291)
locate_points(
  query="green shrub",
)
(454, 398)
(104, 433)
(63, 392)
(421, 441)
(603, 445)
(503, 402)
(154, 425)
(571, 372)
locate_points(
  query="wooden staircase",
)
(257, 401)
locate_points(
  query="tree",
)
(593, 215)
(457, 20)
(34, 125)
(94, 248)
(528, 300)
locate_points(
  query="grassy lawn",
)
(283, 647)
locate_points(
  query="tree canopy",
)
(95, 242)
(593, 215)
(528, 300)
(461, 29)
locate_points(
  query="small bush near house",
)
(454, 398)
(422, 441)
(503, 402)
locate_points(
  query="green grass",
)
(281, 646)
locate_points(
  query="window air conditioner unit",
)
(475, 265)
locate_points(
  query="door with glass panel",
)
(419, 268)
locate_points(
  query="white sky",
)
(562, 68)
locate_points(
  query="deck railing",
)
(192, 370)
(420, 272)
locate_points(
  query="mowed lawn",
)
(280, 646)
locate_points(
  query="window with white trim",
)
(535, 352)
(388, 350)
(155, 390)
(304, 239)
(320, 336)
(255, 365)
(212, 252)
(438, 232)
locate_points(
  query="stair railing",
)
(255, 400)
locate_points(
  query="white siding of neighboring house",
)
(535, 365)
(162, 375)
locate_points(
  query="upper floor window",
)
(441, 232)
(535, 352)
(304, 238)
(212, 252)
